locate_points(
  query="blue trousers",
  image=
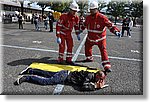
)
(37, 26)
(46, 78)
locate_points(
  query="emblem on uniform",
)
(98, 26)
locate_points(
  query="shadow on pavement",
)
(29, 61)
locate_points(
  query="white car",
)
(14, 19)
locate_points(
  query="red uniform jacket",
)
(96, 26)
(66, 23)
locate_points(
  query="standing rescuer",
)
(64, 28)
(96, 24)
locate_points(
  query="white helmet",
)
(93, 5)
(74, 6)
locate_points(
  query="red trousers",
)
(102, 47)
(65, 40)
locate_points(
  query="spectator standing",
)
(36, 22)
(126, 26)
(51, 20)
(45, 19)
(20, 21)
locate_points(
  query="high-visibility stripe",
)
(68, 53)
(60, 25)
(107, 65)
(96, 31)
(111, 27)
(62, 33)
(77, 30)
(97, 40)
(61, 55)
(65, 27)
(105, 61)
(58, 32)
(76, 25)
(90, 57)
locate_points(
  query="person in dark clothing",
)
(51, 20)
(20, 21)
(36, 22)
(125, 26)
(45, 19)
(86, 80)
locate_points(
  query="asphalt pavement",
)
(21, 47)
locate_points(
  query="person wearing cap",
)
(64, 28)
(96, 24)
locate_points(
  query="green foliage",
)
(137, 9)
(116, 8)
(60, 6)
(126, 8)
(83, 6)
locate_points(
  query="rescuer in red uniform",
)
(96, 24)
(64, 28)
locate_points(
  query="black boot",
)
(70, 63)
(20, 80)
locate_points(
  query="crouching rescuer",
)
(96, 24)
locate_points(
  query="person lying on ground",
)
(89, 81)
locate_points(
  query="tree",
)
(43, 5)
(115, 8)
(102, 5)
(21, 3)
(60, 6)
(137, 9)
(83, 6)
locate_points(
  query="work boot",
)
(70, 63)
(87, 60)
(108, 70)
(60, 60)
(20, 80)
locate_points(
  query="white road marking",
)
(58, 89)
(28, 48)
(54, 51)
(118, 58)
(135, 51)
(38, 42)
(79, 49)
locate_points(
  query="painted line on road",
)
(59, 88)
(79, 49)
(46, 50)
(117, 58)
(28, 48)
